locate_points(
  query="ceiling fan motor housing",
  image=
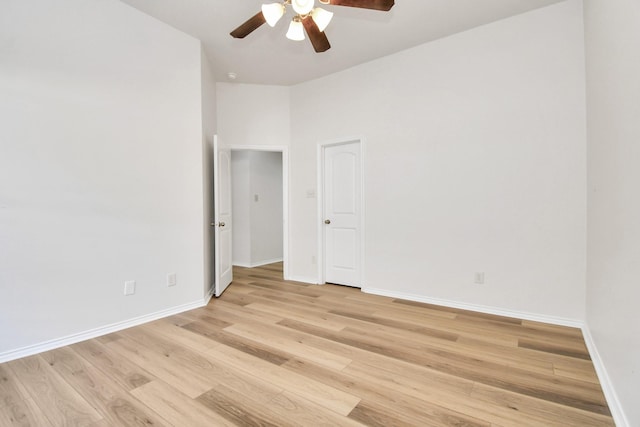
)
(302, 7)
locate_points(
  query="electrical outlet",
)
(256, 198)
(130, 287)
(171, 279)
(479, 278)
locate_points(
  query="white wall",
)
(474, 161)
(266, 212)
(612, 31)
(241, 207)
(209, 129)
(253, 114)
(100, 168)
(257, 227)
(249, 116)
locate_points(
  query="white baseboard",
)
(574, 323)
(210, 294)
(257, 264)
(241, 264)
(96, 332)
(610, 394)
(304, 279)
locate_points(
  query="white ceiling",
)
(356, 35)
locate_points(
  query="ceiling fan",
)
(307, 18)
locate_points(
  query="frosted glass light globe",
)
(321, 17)
(272, 13)
(296, 31)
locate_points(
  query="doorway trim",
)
(285, 194)
(320, 229)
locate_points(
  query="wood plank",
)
(181, 336)
(183, 378)
(447, 406)
(429, 378)
(311, 390)
(317, 319)
(544, 412)
(11, 392)
(307, 413)
(22, 413)
(371, 415)
(204, 367)
(239, 410)
(177, 408)
(101, 423)
(553, 329)
(114, 404)
(232, 313)
(293, 346)
(256, 349)
(507, 355)
(292, 289)
(61, 403)
(397, 404)
(320, 304)
(120, 369)
(484, 352)
(179, 319)
(398, 324)
(577, 350)
(579, 370)
(450, 325)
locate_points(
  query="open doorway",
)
(260, 204)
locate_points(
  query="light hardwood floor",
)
(275, 353)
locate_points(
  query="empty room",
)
(330, 212)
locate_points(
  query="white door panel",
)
(342, 205)
(342, 176)
(343, 248)
(223, 220)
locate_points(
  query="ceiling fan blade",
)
(318, 38)
(384, 5)
(249, 26)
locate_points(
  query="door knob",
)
(327, 221)
(213, 224)
(221, 224)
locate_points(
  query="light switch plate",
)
(130, 287)
(171, 279)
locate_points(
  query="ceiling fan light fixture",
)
(272, 13)
(302, 7)
(296, 30)
(321, 17)
(308, 21)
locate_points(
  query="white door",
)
(341, 213)
(222, 213)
